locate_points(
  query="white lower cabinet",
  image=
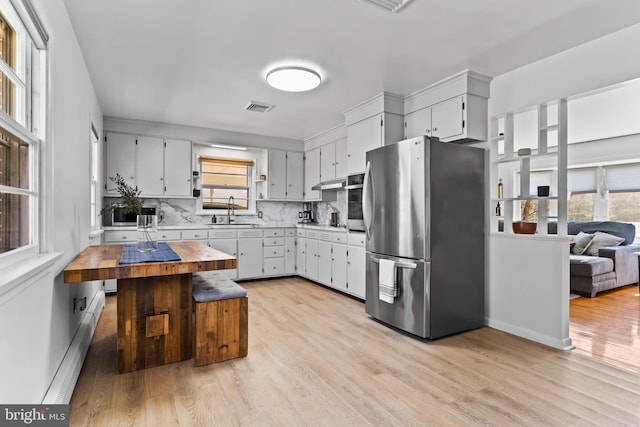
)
(250, 254)
(311, 255)
(339, 267)
(225, 241)
(290, 253)
(301, 247)
(324, 262)
(356, 264)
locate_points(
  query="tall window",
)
(22, 106)
(94, 178)
(225, 182)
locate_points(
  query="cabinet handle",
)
(241, 253)
(124, 237)
(435, 129)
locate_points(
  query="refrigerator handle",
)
(368, 200)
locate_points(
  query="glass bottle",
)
(498, 210)
(500, 192)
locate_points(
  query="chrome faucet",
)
(230, 209)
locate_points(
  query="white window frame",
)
(251, 204)
(29, 124)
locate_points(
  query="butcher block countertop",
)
(101, 263)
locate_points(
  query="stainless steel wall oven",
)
(354, 202)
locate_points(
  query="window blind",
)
(623, 177)
(583, 180)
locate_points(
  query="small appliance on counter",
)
(120, 217)
(306, 215)
(334, 219)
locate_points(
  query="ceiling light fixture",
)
(392, 6)
(293, 79)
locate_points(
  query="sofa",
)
(607, 262)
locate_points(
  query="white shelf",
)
(517, 158)
(515, 199)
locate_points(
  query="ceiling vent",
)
(392, 6)
(258, 107)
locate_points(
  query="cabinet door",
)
(446, 118)
(339, 267)
(341, 158)
(324, 262)
(295, 175)
(121, 159)
(290, 255)
(311, 174)
(362, 136)
(301, 256)
(249, 258)
(418, 123)
(356, 261)
(150, 166)
(311, 260)
(230, 247)
(328, 162)
(277, 174)
(177, 168)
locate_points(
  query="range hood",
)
(335, 184)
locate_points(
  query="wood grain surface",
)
(101, 263)
(316, 359)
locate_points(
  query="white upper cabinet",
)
(372, 124)
(312, 174)
(177, 168)
(121, 159)
(333, 160)
(157, 167)
(163, 167)
(295, 175)
(454, 109)
(285, 175)
(150, 166)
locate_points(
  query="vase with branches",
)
(147, 225)
(528, 216)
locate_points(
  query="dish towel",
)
(131, 255)
(387, 284)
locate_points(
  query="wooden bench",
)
(221, 318)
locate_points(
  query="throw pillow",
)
(602, 240)
(582, 240)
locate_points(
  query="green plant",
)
(129, 195)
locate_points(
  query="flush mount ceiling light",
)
(293, 79)
(392, 6)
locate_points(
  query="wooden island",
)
(154, 302)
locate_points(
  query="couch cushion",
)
(581, 241)
(620, 229)
(215, 286)
(588, 266)
(602, 240)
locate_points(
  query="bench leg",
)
(221, 330)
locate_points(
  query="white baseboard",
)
(560, 344)
(64, 381)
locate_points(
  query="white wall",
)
(603, 62)
(40, 310)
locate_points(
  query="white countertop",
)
(234, 226)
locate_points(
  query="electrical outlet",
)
(79, 304)
(161, 215)
(259, 214)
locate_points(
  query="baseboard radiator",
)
(67, 375)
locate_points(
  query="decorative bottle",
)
(500, 189)
(498, 210)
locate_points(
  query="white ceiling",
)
(199, 63)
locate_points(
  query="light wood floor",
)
(607, 327)
(315, 358)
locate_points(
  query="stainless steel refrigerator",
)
(423, 208)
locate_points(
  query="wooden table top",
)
(101, 263)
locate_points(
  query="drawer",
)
(356, 239)
(250, 233)
(340, 237)
(222, 234)
(195, 235)
(324, 235)
(274, 241)
(274, 232)
(165, 235)
(274, 251)
(311, 234)
(274, 267)
(290, 232)
(300, 232)
(120, 236)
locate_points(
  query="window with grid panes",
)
(225, 183)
